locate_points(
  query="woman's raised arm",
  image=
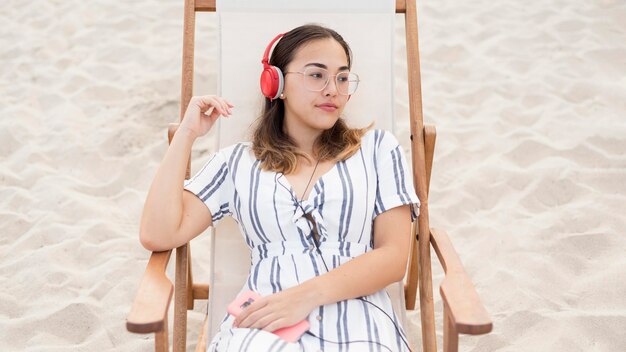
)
(172, 217)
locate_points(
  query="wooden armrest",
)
(153, 298)
(466, 310)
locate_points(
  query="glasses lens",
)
(347, 83)
(315, 78)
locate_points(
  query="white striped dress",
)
(344, 203)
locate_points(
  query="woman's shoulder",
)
(376, 138)
(235, 147)
(235, 151)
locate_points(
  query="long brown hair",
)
(276, 150)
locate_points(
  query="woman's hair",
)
(276, 150)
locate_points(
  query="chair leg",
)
(180, 299)
(161, 344)
(190, 293)
(450, 335)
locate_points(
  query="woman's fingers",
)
(202, 112)
(275, 325)
(206, 102)
(217, 104)
(250, 314)
(266, 320)
(224, 106)
(263, 321)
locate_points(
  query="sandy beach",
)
(529, 178)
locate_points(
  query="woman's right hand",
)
(202, 112)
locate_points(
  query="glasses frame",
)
(358, 80)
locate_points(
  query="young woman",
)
(326, 210)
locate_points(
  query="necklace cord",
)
(310, 179)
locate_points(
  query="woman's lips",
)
(327, 107)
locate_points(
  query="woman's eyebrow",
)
(317, 64)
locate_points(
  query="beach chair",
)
(370, 32)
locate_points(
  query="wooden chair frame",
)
(462, 308)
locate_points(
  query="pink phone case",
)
(290, 333)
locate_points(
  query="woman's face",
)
(306, 109)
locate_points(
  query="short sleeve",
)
(214, 186)
(394, 182)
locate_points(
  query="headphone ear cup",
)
(281, 82)
(272, 82)
(266, 82)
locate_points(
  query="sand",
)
(529, 100)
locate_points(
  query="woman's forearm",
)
(361, 276)
(162, 212)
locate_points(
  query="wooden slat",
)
(412, 279)
(205, 5)
(180, 300)
(430, 136)
(201, 291)
(427, 309)
(189, 29)
(186, 90)
(209, 6)
(400, 6)
(160, 339)
(171, 131)
(190, 297)
(149, 309)
(466, 311)
(410, 288)
(450, 335)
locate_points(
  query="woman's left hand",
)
(282, 309)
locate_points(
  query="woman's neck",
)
(303, 137)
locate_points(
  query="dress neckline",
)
(313, 188)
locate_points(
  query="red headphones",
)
(272, 80)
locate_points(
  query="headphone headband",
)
(266, 55)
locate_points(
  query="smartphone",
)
(289, 333)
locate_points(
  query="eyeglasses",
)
(316, 79)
